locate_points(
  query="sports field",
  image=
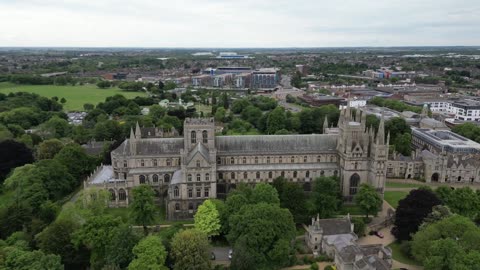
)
(76, 96)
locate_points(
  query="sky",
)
(241, 23)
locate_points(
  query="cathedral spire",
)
(133, 143)
(363, 120)
(138, 133)
(325, 125)
(381, 131)
(132, 136)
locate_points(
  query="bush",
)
(358, 226)
(328, 267)
(314, 266)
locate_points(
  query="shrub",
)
(328, 267)
(314, 266)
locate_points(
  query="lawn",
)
(160, 216)
(76, 96)
(403, 185)
(351, 209)
(398, 255)
(392, 197)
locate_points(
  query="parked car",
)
(379, 234)
(230, 254)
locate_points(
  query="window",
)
(142, 179)
(232, 175)
(142, 163)
(295, 174)
(232, 160)
(122, 195)
(256, 160)
(335, 173)
(354, 182)
(198, 163)
(319, 159)
(207, 177)
(198, 177)
(166, 178)
(124, 163)
(268, 160)
(189, 178)
(177, 207)
(193, 137)
(205, 136)
(270, 175)
(169, 162)
(307, 174)
(112, 194)
(199, 192)
(155, 178)
(244, 160)
(282, 174)
(190, 193)
(190, 206)
(305, 159)
(245, 175)
(219, 161)
(280, 160)
(155, 163)
(176, 192)
(220, 175)
(206, 192)
(258, 175)
(292, 159)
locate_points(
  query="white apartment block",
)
(465, 110)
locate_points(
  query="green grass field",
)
(76, 96)
(403, 185)
(398, 255)
(393, 197)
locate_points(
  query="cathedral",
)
(185, 171)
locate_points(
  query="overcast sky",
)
(239, 23)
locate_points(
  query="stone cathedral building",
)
(184, 171)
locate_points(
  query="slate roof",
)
(335, 226)
(151, 146)
(276, 143)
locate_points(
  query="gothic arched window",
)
(258, 175)
(176, 192)
(295, 174)
(122, 195)
(155, 178)
(142, 179)
(244, 160)
(232, 160)
(245, 175)
(354, 182)
(205, 136)
(166, 178)
(232, 175)
(270, 175)
(189, 178)
(198, 177)
(193, 137)
(207, 177)
(112, 194)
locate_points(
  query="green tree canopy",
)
(142, 209)
(207, 219)
(326, 196)
(150, 254)
(368, 200)
(190, 250)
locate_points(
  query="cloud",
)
(247, 23)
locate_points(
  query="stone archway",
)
(354, 183)
(409, 176)
(435, 177)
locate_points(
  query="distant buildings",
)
(388, 73)
(237, 77)
(265, 78)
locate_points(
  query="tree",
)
(63, 100)
(207, 219)
(88, 106)
(368, 200)
(296, 79)
(463, 201)
(55, 127)
(49, 148)
(118, 252)
(293, 198)
(411, 212)
(438, 213)
(78, 163)
(143, 206)
(57, 239)
(104, 84)
(276, 120)
(263, 230)
(451, 243)
(19, 259)
(157, 112)
(14, 154)
(326, 196)
(96, 234)
(190, 250)
(150, 254)
(265, 193)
